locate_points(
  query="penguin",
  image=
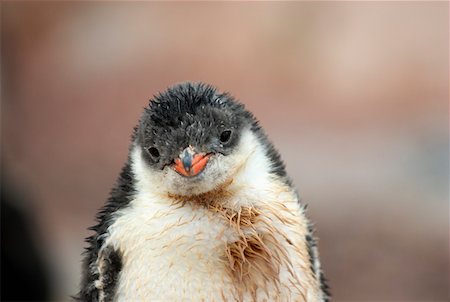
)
(203, 210)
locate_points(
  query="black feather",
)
(196, 114)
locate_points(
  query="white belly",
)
(170, 255)
(177, 253)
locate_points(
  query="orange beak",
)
(191, 163)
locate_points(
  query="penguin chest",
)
(171, 254)
(181, 252)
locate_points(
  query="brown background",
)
(354, 95)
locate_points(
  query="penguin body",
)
(202, 211)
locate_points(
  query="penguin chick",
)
(202, 211)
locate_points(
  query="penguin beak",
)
(191, 163)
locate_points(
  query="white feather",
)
(176, 253)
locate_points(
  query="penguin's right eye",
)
(154, 153)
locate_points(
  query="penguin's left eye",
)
(153, 152)
(225, 136)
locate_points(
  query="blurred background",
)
(353, 94)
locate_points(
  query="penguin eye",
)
(225, 136)
(153, 152)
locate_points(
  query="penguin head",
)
(190, 139)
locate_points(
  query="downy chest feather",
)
(231, 244)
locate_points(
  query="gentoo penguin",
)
(203, 210)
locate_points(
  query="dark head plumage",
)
(198, 115)
(190, 114)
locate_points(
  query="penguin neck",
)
(250, 182)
